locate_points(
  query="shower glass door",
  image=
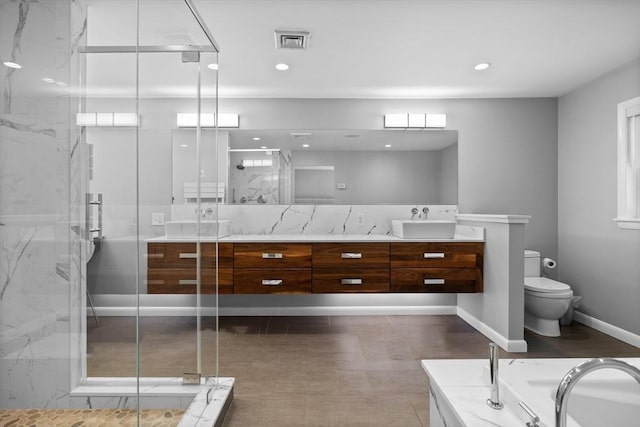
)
(153, 276)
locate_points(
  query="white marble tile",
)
(312, 219)
(40, 281)
(208, 405)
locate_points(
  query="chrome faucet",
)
(494, 400)
(414, 212)
(569, 381)
(425, 211)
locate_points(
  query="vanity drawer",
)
(184, 255)
(370, 280)
(183, 281)
(272, 281)
(436, 254)
(436, 280)
(272, 255)
(349, 255)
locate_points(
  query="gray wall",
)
(598, 260)
(507, 148)
(449, 175)
(393, 177)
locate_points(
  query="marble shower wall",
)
(41, 204)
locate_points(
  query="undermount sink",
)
(423, 229)
(189, 228)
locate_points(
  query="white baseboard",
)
(278, 311)
(609, 329)
(512, 346)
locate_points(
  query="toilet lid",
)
(542, 284)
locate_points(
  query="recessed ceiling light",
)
(482, 66)
(264, 147)
(387, 145)
(256, 138)
(61, 84)
(213, 66)
(305, 145)
(48, 80)
(282, 66)
(183, 145)
(12, 64)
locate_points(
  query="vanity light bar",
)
(107, 119)
(207, 120)
(415, 120)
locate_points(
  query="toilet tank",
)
(531, 263)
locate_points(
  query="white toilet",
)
(545, 300)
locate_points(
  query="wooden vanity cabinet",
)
(332, 267)
(350, 267)
(171, 268)
(272, 268)
(436, 267)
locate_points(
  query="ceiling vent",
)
(286, 39)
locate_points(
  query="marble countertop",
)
(465, 384)
(238, 238)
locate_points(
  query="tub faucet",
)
(569, 381)
(494, 400)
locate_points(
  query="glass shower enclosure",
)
(86, 190)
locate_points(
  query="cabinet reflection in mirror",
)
(318, 166)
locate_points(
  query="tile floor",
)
(319, 371)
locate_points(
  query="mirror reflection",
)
(319, 166)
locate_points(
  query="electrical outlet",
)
(157, 218)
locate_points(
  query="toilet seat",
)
(546, 288)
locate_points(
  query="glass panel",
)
(162, 23)
(85, 182)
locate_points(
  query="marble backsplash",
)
(311, 219)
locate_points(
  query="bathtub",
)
(460, 388)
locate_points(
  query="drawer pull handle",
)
(188, 255)
(434, 281)
(155, 256)
(351, 281)
(272, 255)
(272, 282)
(351, 255)
(155, 282)
(187, 282)
(431, 255)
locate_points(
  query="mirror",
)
(320, 166)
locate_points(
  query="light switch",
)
(157, 218)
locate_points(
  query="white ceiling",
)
(386, 48)
(410, 48)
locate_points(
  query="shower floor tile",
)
(89, 417)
